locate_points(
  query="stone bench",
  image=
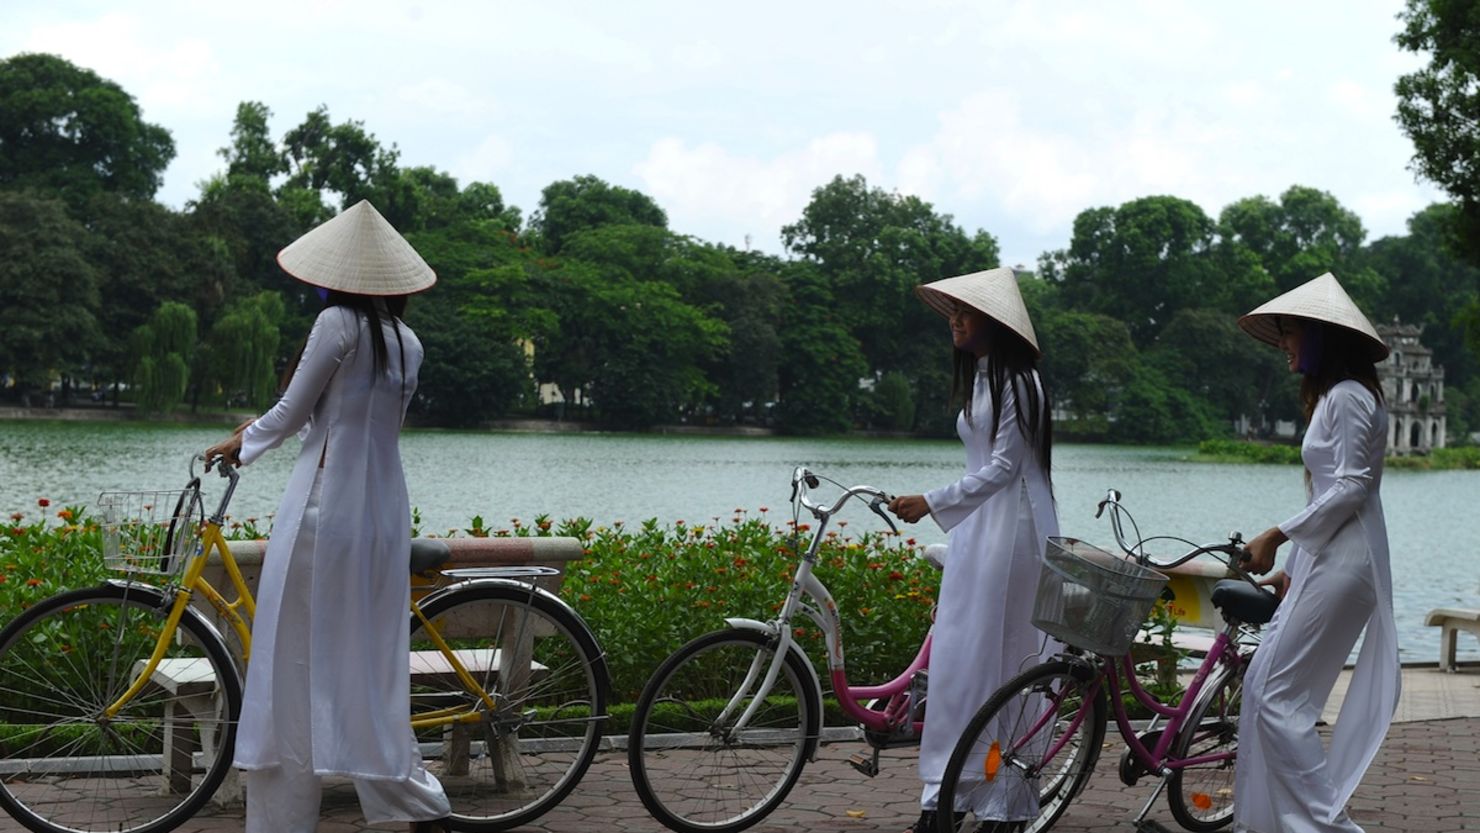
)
(551, 552)
(1452, 620)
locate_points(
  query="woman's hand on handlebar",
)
(1259, 553)
(229, 449)
(909, 508)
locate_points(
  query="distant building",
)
(1414, 389)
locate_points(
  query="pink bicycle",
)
(724, 727)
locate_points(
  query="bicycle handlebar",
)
(1232, 552)
(803, 480)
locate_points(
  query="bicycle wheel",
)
(693, 771)
(548, 681)
(1201, 796)
(64, 765)
(1028, 751)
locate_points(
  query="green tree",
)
(587, 202)
(253, 158)
(872, 248)
(475, 322)
(244, 350)
(1436, 108)
(1153, 409)
(48, 292)
(824, 362)
(1089, 361)
(1204, 353)
(894, 402)
(163, 350)
(1139, 263)
(1308, 232)
(1438, 102)
(66, 130)
(1428, 284)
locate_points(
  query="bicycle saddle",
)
(428, 554)
(1245, 602)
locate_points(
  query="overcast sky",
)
(1011, 116)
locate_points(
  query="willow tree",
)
(162, 350)
(244, 348)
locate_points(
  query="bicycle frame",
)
(1109, 672)
(823, 611)
(193, 581)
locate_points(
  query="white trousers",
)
(285, 798)
(1281, 777)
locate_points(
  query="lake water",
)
(1433, 522)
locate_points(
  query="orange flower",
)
(33, 582)
(64, 514)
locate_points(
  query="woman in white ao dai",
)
(998, 514)
(1337, 582)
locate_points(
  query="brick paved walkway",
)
(1425, 780)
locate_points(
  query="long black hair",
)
(1330, 354)
(376, 310)
(1010, 360)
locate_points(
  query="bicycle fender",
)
(159, 599)
(769, 629)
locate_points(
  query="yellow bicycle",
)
(119, 703)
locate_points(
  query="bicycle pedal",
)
(866, 764)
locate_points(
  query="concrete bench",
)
(553, 552)
(1452, 620)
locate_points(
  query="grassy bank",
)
(1237, 451)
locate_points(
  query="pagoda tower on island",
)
(1414, 388)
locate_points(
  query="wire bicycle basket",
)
(1092, 599)
(151, 533)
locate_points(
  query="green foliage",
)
(819, 385)
(871, 248)
(48, 291)
(1461, 457)
(1139, 263)
(244, 346)
(1436, 104)
(46, 552)
(1153, 410)
(162, 351)
(894, 402)
(648, 589)
(588, 202)
(65, 130)
(1237, 451)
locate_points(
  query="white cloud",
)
(490, 158)
(709, 185)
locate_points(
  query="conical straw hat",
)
(360, 252)
(1321, 299)
(994, 292)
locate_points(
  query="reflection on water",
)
(453, 476)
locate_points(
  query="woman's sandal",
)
(442, 825)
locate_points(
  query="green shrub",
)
(647, 590)
(1239, 451)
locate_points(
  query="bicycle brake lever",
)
(1100, 510)
(875, 505)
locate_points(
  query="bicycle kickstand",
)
(1145, 825)
(863, 763)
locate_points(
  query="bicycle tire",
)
(1006, 722)
(547, 677)
(66, 769)
(693, 775)
(1201, 798)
